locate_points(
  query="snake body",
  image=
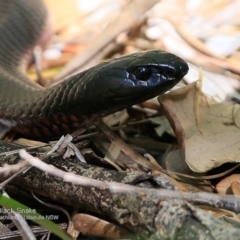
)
(82, 98)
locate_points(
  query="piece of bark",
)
(142, 212)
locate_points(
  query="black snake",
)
(81, 99)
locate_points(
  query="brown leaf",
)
(235, 186)
(93, 226)
(216, 140)
(232, 181)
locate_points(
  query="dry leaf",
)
(93, 226)
(235, 186)
(216, 140)
(232, 181)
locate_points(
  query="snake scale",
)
(82, 98)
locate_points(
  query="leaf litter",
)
(208, 134)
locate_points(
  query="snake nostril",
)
(170, 73)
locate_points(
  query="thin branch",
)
(231, 203)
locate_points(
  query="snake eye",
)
(142, 73)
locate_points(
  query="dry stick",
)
(27, 148)
(68, 20)
(210, 57)
(68, 177)
(52, 206)
(142, 161)
(207, 177)
(231, 203)
(15, 169)
(190, 38)
(135, 156)
(131, 13)
(77, 136)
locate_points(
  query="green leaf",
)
(31, 214)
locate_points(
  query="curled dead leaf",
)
(216, 140)
(93, 226)
(235, 186)
(231, 182)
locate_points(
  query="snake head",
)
(134, 78)
(117, 84)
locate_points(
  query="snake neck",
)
(35, 111)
